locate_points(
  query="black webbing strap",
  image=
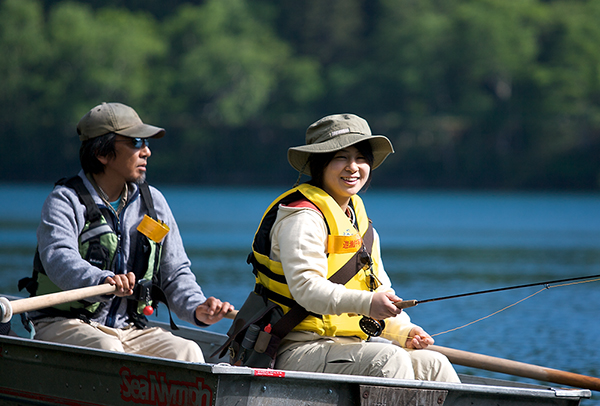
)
(147, 197)
(262, 291)
(258, 267)
(76, 183)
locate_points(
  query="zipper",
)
(118, 269)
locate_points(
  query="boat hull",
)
(40, 373)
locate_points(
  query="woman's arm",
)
(299, 238)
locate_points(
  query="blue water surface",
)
(434, 244)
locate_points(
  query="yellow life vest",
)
(343, 243)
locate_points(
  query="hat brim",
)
(142, 131)
(298, 156)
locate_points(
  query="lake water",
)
(434, 244)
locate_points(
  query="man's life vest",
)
(344, 242)
(99, 245)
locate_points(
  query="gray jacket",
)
(63, 218)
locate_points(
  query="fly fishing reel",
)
(371, 327)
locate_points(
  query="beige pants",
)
(152, 341)
(352, 356)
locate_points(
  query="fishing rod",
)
(403, 304)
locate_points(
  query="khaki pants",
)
(152, 341)
(352, 356)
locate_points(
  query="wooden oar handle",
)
(516, 368)
(231, 315)
(40, 302)
(403, 304)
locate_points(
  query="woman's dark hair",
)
(91, 149)
(318, 162)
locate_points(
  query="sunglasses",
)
(137, 143)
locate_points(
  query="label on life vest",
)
(155, 230)
(343, 244)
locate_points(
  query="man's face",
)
(129, 163)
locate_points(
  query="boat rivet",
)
(36, 356)
(264, 388)
(440, 400)
(365, 394)
(329, 391)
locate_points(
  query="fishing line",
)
(489, 315)
(519, 301)
(576, 281)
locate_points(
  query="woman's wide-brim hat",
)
(336, 132)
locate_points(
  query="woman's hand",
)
(212, 310)
(418, 339)
(382, 306)
(124, 283)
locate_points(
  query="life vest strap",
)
(258, 267)
(76, 183)
(275, 297)
(147, 198)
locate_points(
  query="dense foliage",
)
(473, 93)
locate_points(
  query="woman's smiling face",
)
(345, 175)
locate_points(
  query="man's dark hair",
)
(91, 149)
(318, 162)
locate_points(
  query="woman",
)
(321, 227)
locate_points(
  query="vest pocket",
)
(98, 255)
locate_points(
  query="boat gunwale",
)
(225, 369)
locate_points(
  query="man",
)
(106, 225)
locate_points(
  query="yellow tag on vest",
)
(343, 244)
(155, 230)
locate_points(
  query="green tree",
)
(24, 50)
(60, 65)
(104, 55)
(564, 110)
(224, 68)
(467, 86)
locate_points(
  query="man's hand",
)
(124, 283)
(418, 339)
(212, 310)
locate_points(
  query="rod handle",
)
(403, 304)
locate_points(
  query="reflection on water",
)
(434, 244)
